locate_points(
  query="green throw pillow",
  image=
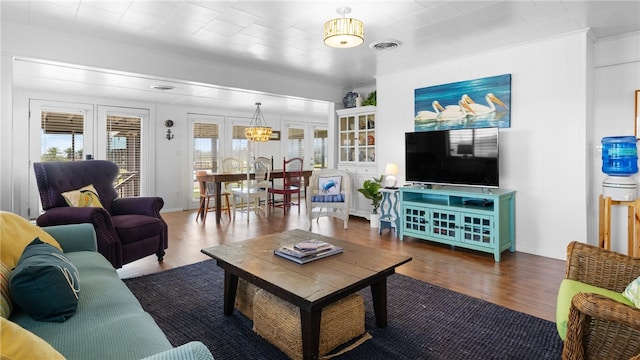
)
(45, 283)
(632, 292)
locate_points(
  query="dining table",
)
(217, 179)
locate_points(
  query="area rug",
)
(425, 321)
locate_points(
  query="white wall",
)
(617, 77)
(35, 43)
(542, 154)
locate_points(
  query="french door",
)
(65, 131)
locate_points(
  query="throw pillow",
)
(329, 185)
(632, 292)
(6, 306)
(45, 283)
(16, 233)
(19, 343)
(84, 197)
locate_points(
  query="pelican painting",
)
(480, 109)
(425, 115)
(455, 112)
(460, 110)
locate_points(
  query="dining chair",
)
(232, 165)
(254, 191)
(291, 184)
(207, 192)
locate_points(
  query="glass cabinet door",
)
(357, 137)
(366, 138)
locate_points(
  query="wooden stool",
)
(633, 224)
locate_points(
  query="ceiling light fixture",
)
(258, 129)
(343, 32)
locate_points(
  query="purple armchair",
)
(127, 229)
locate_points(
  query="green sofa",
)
(109, 322)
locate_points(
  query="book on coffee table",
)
(307, 251)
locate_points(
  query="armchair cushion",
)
(632, 292)
(86, 196)
(45, 283)
(570, 288)
(328, 198)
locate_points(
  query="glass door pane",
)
(295, 142)
(123, 148)
(62, 135)
(320, 148)
(206, 147)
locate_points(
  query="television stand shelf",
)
(469, 218)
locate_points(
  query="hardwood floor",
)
(522, 282)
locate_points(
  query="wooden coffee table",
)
(311, 286)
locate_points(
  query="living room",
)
(569, 90)
(585, 88)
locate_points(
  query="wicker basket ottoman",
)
(279, 323)
(245, 294)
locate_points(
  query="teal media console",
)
(480, 220)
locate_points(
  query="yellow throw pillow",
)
(84, 197)
(16, 233)
(18, 343)
(6, 305)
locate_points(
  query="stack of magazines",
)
(307, 251)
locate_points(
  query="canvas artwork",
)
(478, 103)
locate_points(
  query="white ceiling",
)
(285, 37)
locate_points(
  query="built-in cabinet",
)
(357, 152)
(477, 220)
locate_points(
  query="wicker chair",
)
(599, 327)
(316, 199)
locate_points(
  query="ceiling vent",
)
(384, 45)
(163, 87)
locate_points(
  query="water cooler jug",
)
(619, 162)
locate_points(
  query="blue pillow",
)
(45, 283)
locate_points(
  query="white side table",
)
(389, 217)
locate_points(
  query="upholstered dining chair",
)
(601, 322)
(291, 184)
(329, 189)
(255, 191)
(74, 192)
(207, 193)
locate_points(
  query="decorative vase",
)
(374, 221)
(349, 100)
(358, 101)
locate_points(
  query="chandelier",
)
(343, 32)
(258, 129)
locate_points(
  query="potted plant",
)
(371, 190)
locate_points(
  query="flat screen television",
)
(467, 157)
